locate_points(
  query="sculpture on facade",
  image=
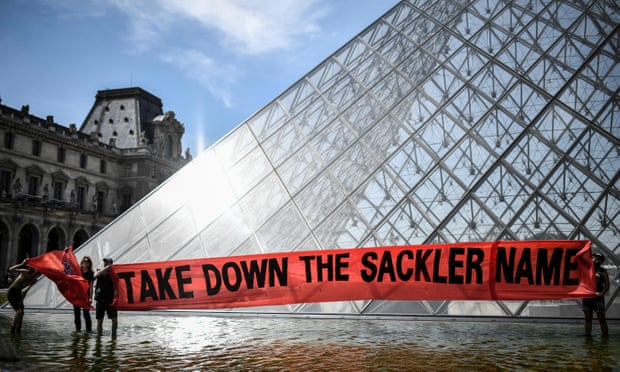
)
(46, 192)
(17, 187)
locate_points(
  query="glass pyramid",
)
(440, 122)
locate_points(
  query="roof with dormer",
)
(122, 116)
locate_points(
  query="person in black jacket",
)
(597, 303)
(86, 266)
(104, 295)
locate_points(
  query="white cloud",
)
(246, 26)
(250, 26)
(147, 24)
(198, 66)
(206, 33)
(240, 27)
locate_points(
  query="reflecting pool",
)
(190, 342)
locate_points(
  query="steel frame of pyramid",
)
(440, 122)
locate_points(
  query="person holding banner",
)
(61, 267)
(104, 295)
(597, 303)
(17, 291)
(86, 267)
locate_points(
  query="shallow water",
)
(189, 342)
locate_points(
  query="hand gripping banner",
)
(503, 270)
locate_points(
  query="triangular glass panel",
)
(442, 121)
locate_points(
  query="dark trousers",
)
(78, 322)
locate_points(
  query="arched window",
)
(79, 238)
(55, 239)
(27, 243)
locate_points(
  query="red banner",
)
(62, 268)
(504, 270)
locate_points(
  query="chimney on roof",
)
(25, 109)
(49, 120)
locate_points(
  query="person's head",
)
(86, 263)
(598, 258)
(108, 261)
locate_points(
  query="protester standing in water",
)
(597, 303)
(104, 295)
(86, 267)
(17, 291)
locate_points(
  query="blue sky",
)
(213, 62)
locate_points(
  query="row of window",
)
(111, 121)
(11, 187)
(9, 143)
(33, 185)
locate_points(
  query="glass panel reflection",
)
(440, 122)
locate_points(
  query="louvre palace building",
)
(59, 184)
(442, 121)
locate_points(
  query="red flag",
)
(62, 268)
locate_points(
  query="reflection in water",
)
(172, 342)
(79, 349)
(105, 353)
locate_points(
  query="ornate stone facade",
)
(59, 185)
